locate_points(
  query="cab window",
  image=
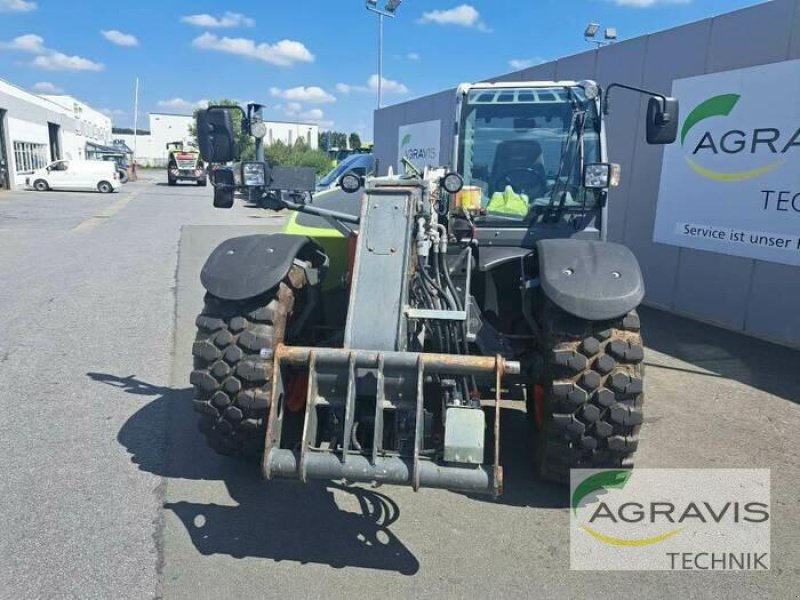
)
(59, 166)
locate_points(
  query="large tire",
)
(589, 410)
(231, 379)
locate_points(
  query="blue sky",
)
(308, 59)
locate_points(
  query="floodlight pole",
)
(380, 61)
(381, 14)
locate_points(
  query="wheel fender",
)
(590, 279)
(247, 266)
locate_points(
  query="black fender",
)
(590, 279)
(247, 266)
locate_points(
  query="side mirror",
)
(215, 135)
(224, 187)
(662, 120)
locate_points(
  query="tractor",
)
(373, 339)
(184, 164)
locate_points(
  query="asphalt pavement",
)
(109, 492)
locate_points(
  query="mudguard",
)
(589, 279)
(247, 266)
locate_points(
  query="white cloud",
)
(388, 85)
(30, 42)
(308, 95)
(17, 6)
(413, 56)
(648, 3)
(181, 105)
(45, 87)
(293, 107)
(464, 15)
(229, 19)
(315, 114)
(119, 38)
(58, 61)
(49, 59)
(284, 53)
(523, 63)
(112, 112)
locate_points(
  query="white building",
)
(33, 132)
(288, 133)
(151, 150)
(91, 126)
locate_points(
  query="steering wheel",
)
(523, 180)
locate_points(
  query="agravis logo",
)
(759, 141)
(670, 519)
(607, 480)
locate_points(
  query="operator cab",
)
(525, 149)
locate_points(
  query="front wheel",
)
(105, 187)
(40, 185)
(588, 410)
(233, 367)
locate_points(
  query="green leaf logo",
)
(605, 480)
(406, 140)
(718, 106)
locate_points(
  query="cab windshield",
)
(525, 150)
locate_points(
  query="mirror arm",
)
(633, 89)
(321, 212)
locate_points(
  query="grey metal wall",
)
(759, 298)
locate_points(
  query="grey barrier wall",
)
(759, 298)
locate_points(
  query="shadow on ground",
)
(726, 354)
(279, 520)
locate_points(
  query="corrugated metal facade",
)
(759, 298)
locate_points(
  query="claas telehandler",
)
(373, 338)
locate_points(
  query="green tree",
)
(355, 141)
(297, 155)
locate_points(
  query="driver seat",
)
(517, 154)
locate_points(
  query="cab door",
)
(59, 175)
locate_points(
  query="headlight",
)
(350, 182)
(601, 175)
(254, 174)
(258, 129)
(452, 182)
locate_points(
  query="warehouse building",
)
(36, 130)
(714, 219)
(151, 148)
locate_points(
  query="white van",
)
(97, 175)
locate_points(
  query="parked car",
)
(97, 175)
(360, 164)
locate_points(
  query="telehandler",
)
(364, 342)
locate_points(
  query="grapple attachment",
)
(365, 418)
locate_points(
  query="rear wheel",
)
(233, 367)
(40, 185)
(588, 410)
(202, 182)
(105, 187)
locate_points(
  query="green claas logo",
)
(769, 144)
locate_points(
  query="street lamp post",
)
(590, 35)
(389, 10)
